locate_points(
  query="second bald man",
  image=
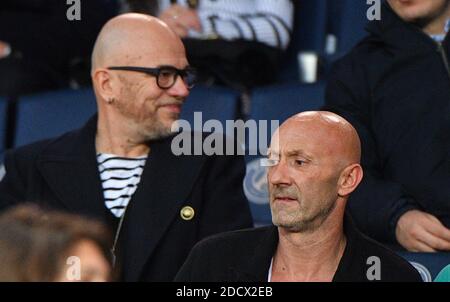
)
(314, 168)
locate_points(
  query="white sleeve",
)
(270, 22)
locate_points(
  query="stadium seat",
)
(282, 101)
(217, 103)
(51, 114)
(309, 34)
(3, 120)
(429, 265)
(274, 103)
(346, 22)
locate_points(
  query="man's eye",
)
(299, 162)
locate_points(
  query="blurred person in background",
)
(230, 42)
(40, 49)
(394, 87)
(46, 246)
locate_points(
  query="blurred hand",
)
(418, 231)
(181, 19)
(4, 49)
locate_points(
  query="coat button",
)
(187, 213)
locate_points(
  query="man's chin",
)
(284, 219)
(158, 133)
(289, 226)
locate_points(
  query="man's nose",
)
(179, 89)
(279, 174)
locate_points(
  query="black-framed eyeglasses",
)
(166, 76)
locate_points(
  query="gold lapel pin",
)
(187, 213)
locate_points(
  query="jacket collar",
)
(156, 204)
(257, 268)
(347, 270)
(69, 166)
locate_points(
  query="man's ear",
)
(103, 83)
(350, 178)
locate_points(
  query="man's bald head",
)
(133, 101)
(328, 131)
(131, 38)
(316, 167)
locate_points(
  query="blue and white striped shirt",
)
(120, 178)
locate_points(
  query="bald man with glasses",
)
(119, 168)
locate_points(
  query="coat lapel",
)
(69, 166)
(165, 184)
(257, 269)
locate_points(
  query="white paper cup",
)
(308, 63)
